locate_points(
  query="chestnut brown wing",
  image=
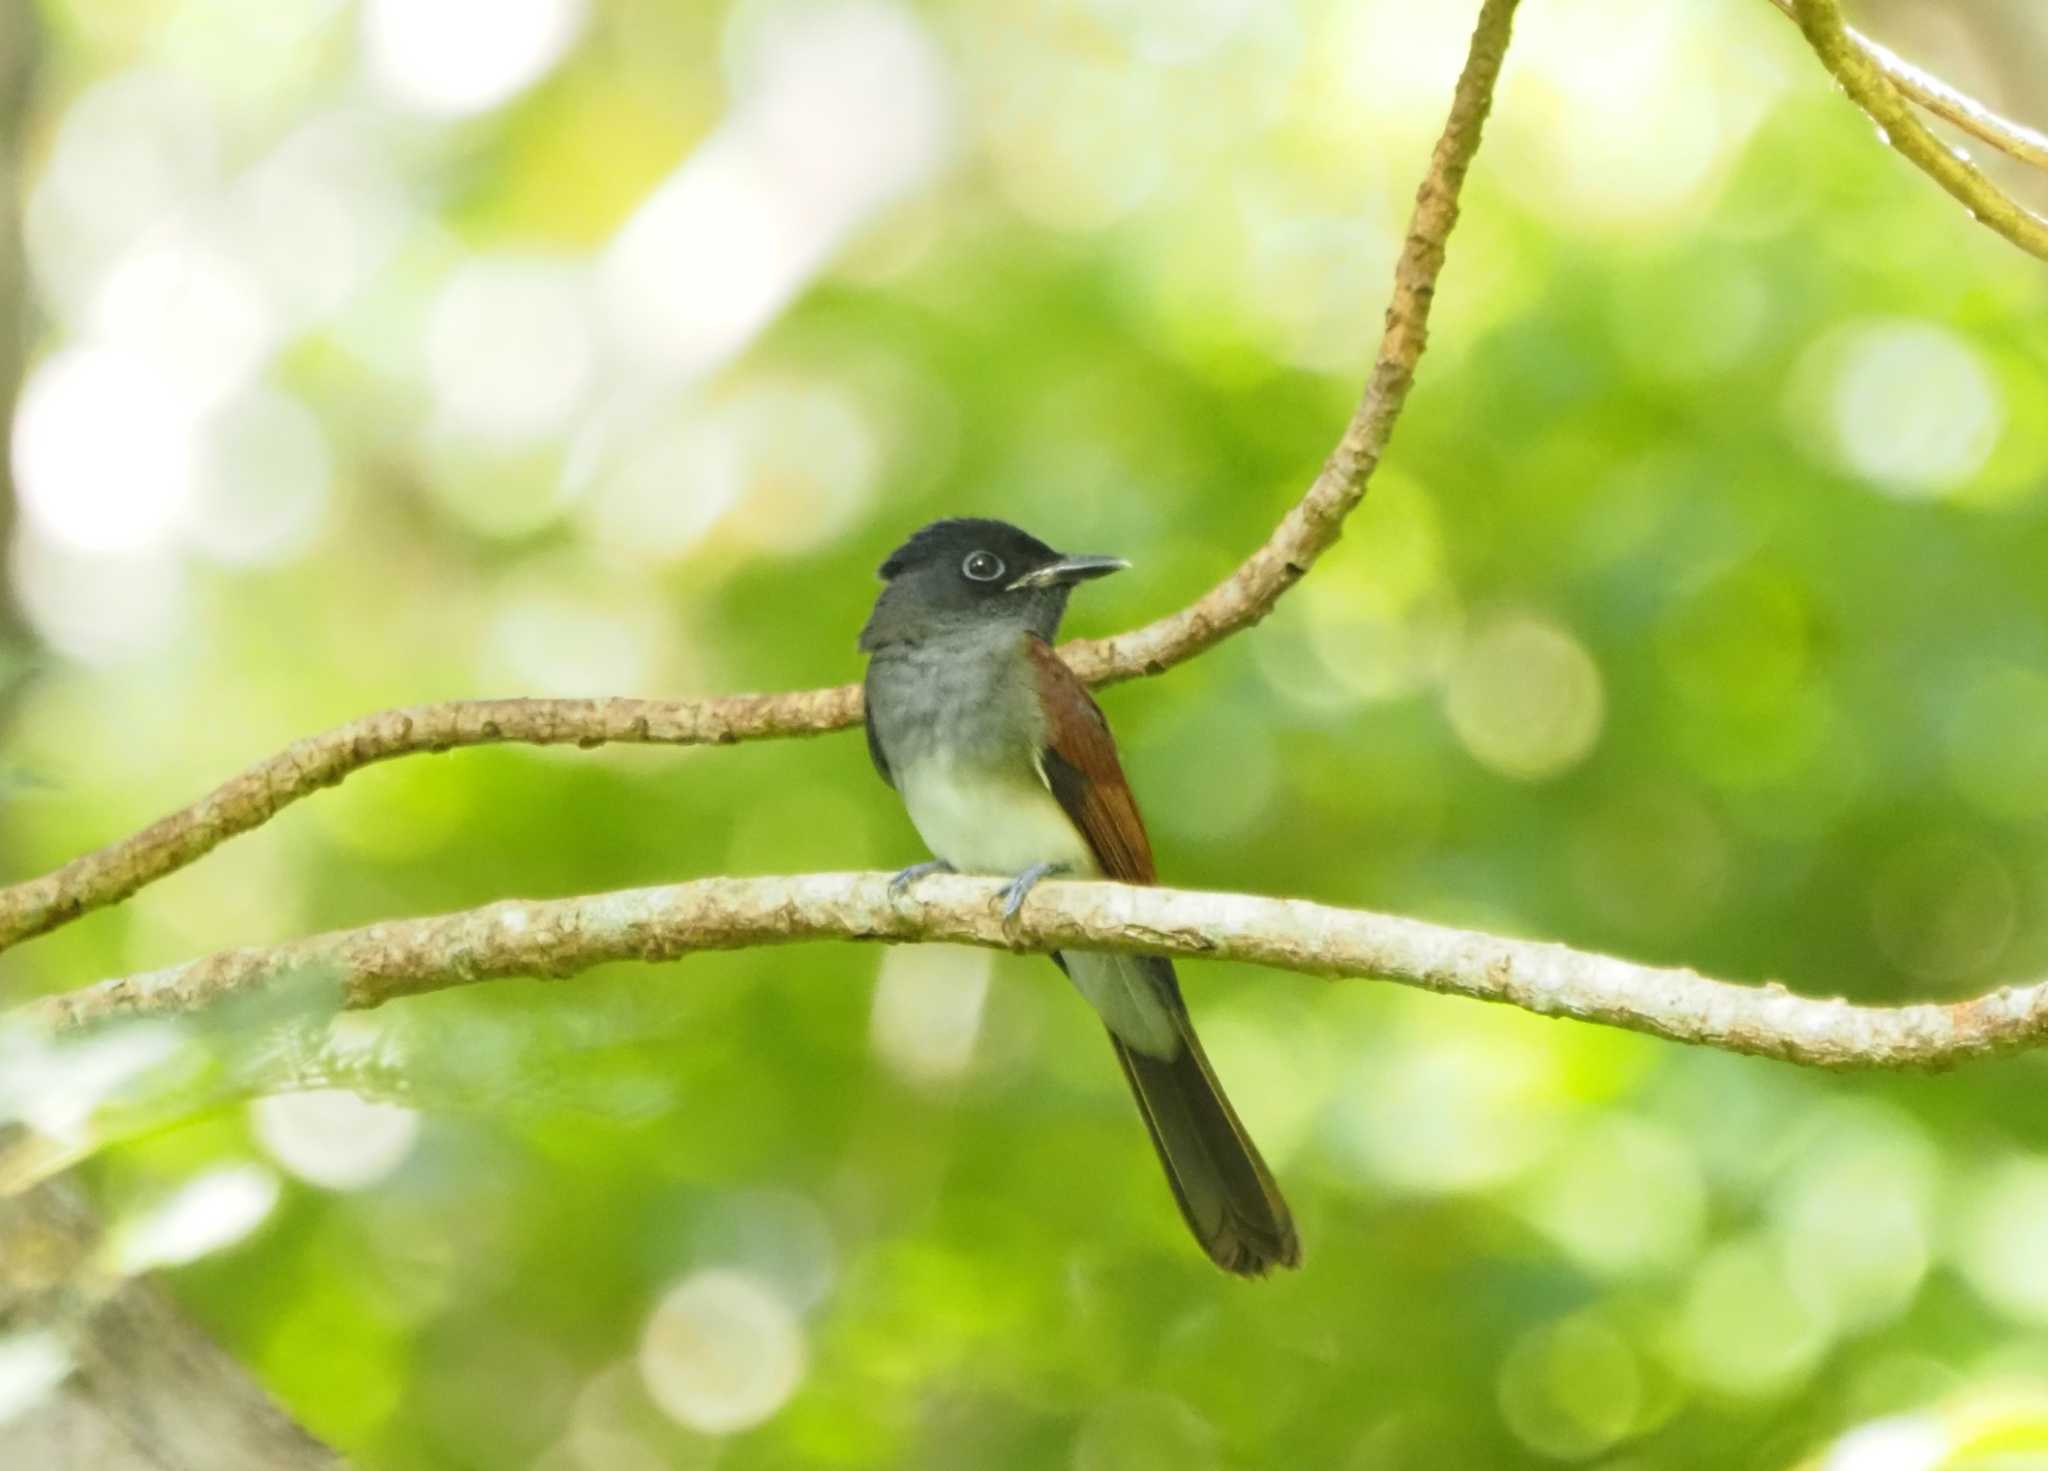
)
(1080, 765)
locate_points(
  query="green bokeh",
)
(1633, 646)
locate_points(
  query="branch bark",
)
(562, 937)
(145, 1390)
(1862, 78)
(2015, 140)
(112, 873)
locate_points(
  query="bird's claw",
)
(906, 877)
(1020, 887)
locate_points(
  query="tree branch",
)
(1861, 77)
(561, 937)
(146, 1390)
(112, 873)
(2016, 140)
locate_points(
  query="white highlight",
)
(334, 1138)
(465, 56)
(843, 108)
(103, 451)
(32, 1365)
(213, 1211)
(1913, 409)
(927, 1009)
(2002, 1239)
(183, 301)
(1899, 1443)
(509, 348)
(98, 609)
(130, 151)
(261, 480)
(317, 216)
(722, 1352)
(56, 1088)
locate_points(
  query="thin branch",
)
(1868, 87)
(561, 937)
(2016, 140)
(1315, 523)
(114, 872)
(251, 799)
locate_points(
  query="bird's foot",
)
(916, 871)
(1020, 887)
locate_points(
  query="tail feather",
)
(1226, 1193)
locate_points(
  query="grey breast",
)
(964, 694)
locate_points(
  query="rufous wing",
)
(1080, 765)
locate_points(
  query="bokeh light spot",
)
(184, 302)
(261, 479)
(926, 1012)
(1571, 1389)
(722, 1352)
(1745, 1328)
(334, 1138)
(1908, 406)
(843, 107)
(1451, 1113)
(465, 56)
(131, 150)
(1623, 1198)
(32, 1365)
(208, 1212)
(1526, 699)
(1897, 1443)
(510, 348)
(99, 609)
(2001, 1241)
(1854, 1213)
(88, 488)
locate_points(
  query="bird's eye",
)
(982, 567)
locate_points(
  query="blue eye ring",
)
(982, 567)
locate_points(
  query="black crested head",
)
(970, 571)
(956, 537)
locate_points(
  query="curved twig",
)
(114, 872)
(1868, 87)
(2015, 140)
(560, 937)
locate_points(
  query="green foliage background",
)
(1683, 622)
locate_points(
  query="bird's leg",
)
(916, 871)
(1020, 886)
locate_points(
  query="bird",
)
(1006, 767)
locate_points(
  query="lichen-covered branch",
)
(1861, 77)
(141, 1387)
(561, 937)
(114, 872)
(2015, 140)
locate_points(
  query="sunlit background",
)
(405, 350)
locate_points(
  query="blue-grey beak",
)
(1068, 570)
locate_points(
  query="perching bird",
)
(1007, 767)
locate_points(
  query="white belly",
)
(982, 823)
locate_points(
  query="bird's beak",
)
(1067, 571)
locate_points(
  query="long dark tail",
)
(1225, 1191)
